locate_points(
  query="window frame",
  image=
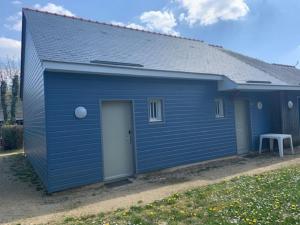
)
(219, 108)
(161, 119)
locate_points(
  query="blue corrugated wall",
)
(34, 111)
(266, 120)
(261, 121)
(190, 132)
(290, 123)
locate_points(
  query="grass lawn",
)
(270, 198)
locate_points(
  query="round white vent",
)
(259, 105)
(80, 112)
(290, 104)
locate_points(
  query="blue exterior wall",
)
(189, 133)
(34, 110)
(290, 117)
(275, 117)
(261, 121)
(266, 120)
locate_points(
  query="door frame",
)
(248, 103)
(134, 152)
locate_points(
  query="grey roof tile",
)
(67, 39)
(286, 73)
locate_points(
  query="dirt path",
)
(21, 203)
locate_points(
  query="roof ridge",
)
(216, 46)
(284, 65)
(261, 60)
(247, 56)
(113, 25)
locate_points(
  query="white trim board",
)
(224, 83)
(123, 71)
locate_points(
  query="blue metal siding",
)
(260, 119)
(34, 111)
(290, 117)
(190, 132)
(266, 120)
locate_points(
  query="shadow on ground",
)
(22, 195)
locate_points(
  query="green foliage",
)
(12, 136)
(15, 91)
(270, 198)
(3, 100)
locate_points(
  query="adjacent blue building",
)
(103, 102)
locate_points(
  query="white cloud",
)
(163, 22)
(9, 48)
(16, 2)
(181, 17)
(135, 26)
(160, 21)
(14, 17)
(52, 8)
(207, 12)
(129, 25)
(118, 23)
(14, 22)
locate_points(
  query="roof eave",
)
(268, 87)
(224, 84)
(55, 66)
(250, 87)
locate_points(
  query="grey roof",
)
(286, 73)
(74, 40)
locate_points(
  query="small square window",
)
(155, 110)
(219, 108)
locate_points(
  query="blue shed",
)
(103, 102)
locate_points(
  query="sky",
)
(264, 29)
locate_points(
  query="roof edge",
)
(268, 87)
(224, 83)
(247, 87)
(69, 67)
(228, 85)
(23, 41)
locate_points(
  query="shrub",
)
(12, 136)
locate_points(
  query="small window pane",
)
(155, 110)
(219, 104)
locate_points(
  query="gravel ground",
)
(23, 201)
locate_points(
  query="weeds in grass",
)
(270, 198)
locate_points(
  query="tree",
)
(3, 100)
(9, 74)
(14, 98)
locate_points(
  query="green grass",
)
(23, 171)
(270, 198)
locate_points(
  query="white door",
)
(242, 126)
(117, 139)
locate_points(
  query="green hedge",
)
(12, 136)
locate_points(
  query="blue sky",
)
(264, 29)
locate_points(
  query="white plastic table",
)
(279, 138)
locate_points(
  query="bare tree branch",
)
(9, 78)
(9, 69)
